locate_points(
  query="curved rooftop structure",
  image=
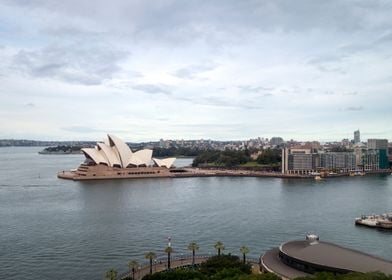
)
(95, 155)
(167, 162)
(299, 258)
(122, 149)
(110, 154)
(116, 153)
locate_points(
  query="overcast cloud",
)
(147, 70)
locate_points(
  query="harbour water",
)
(61, 229)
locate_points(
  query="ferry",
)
(383, 221)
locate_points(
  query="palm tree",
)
(244, 250)
(168, 250)
(111, 274)
(193, 247)
(219, 246)
(150, 255)
(133, 265)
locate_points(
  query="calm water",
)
(56, 229)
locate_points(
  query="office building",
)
(357, 137)
(380, 148)
(338, 161)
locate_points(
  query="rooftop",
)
(331, 255)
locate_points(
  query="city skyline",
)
(264, 140)
(220, 70)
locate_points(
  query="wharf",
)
(189, 172)
(179, 173)
(199, 172)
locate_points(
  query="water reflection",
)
(66, 229)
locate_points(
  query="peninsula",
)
(114, 159)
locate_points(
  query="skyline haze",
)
(222, 70)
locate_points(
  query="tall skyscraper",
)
(357, 137)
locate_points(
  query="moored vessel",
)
(383, 221)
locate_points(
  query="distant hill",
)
(35, 143)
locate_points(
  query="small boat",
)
(384, 224)
(383, 221)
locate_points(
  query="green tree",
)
(168, 250)
(177, 274)
(217, 263)
(111, 274)
(244, 250)
(270, 156)
(150, 255)
(219, 246)
(193, 247)
(133, 266)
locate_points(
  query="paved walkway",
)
(176, 263)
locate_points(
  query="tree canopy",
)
(227, 158)
(270, 156)
(217, 268)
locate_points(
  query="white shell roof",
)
(144, 155)
(116, 152)
(135, 161)
(111, 155)
(95, 155)
(123, 150)
(167, 162)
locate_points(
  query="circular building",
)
(301, 258)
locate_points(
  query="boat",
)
(383, 221)
(385, 224)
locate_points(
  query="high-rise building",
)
(357, 137)
(342, 161)
(377, 144)
(276, 141)
(380, 146)
(299, 160)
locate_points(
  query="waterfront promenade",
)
(189, 172)
(178, 262)
(226, 172)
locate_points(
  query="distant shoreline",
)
(60, 152)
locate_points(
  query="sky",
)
(223, 70)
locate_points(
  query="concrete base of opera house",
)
(303, 258)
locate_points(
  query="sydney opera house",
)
(113, 159)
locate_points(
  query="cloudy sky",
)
(146, 70)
